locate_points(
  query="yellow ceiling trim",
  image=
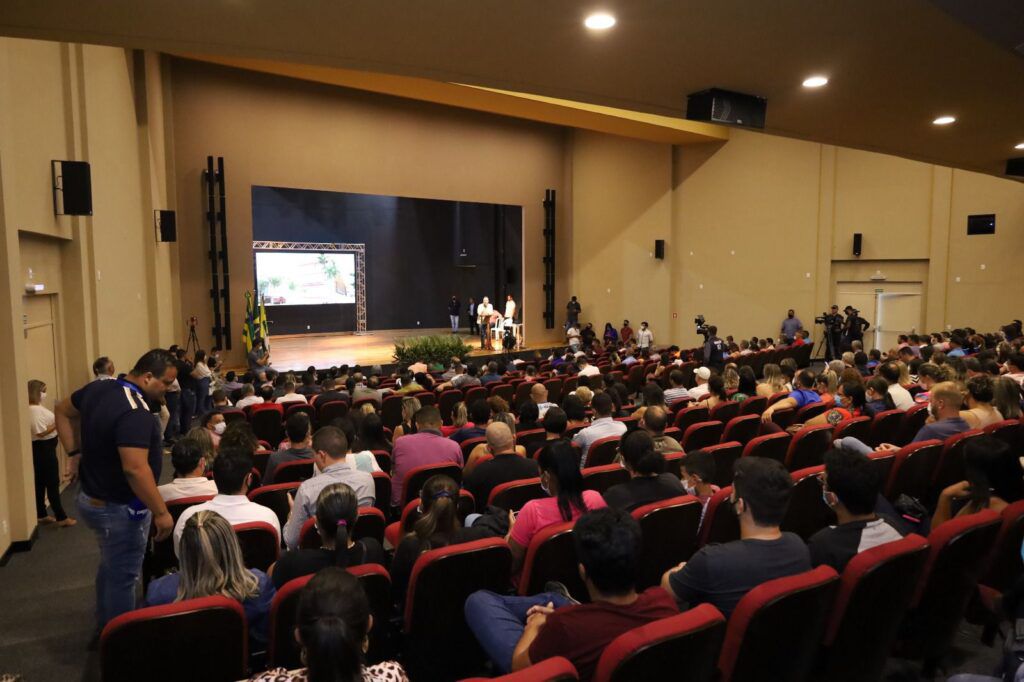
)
(623, 122)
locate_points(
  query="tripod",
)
(827, 347)
(193, 339)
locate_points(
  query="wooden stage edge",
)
(299, 351)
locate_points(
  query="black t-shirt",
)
(721, 575)
(332, 397)
(185, 379)
(409, 550)
(492, 473)
(300, 562)
(114, 414)
(836, 545)
(636, 492)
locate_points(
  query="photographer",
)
(854, 326)
(832, 321)
(714, 349)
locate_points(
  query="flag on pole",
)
(249, 325)
(261, 320)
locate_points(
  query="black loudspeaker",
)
(981, 224)
(166, 225)
(857, 242)
(723, 106)
(72, 187)
(659, 249)
(1015, 167)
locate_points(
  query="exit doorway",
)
(891, 309)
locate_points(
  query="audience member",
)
(603, 426)
(189, 473)
(877, 398)
(980, 412)
(516, 632)
(290, 396)
(698, 470)
(716, 393)
(850, 488)
(296, 447)
(371, 434)
(722, 574)
(678, 391)
(1006, 397)
(700, 391)
(363, 460)
(654, 422)
(901, 398)
(492, 374)
(410, 406)
(747, 386)
(648, 481)
(801, 395)
(215, 424)
(249, 397)
(506, 465)
(480, 414)
(529, 416)
(994, 480)
(774, 381)
(539, 395)
(103, 369)
(426, 446)
(45, 469)
(554, 423)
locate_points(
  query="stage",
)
(297, 352)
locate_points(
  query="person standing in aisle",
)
(114, 443)
(644, 337)
(573, 311)
(43, 428)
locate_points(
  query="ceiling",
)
(894, 66)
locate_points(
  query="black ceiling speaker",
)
(166, 225)
(723, 106)
(659, 249)
(857, 243)
(72, 187)
(1015, 167)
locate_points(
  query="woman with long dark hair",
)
(337, 509)
(333, 624)
(994, 476)
(747, 387)
(371, 434)
(560, 477)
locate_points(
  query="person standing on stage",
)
(453, 313)
(113, 440)
(573, 311)
(474, 328)
(626, 333)
(483, 316)
(510, 308)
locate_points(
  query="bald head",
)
(655, 419)
(499, 438)
(539, 393)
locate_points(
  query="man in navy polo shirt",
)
(114, 441)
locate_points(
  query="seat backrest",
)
(267, 424)
(857, 427)
(552, 556)
(531, 439)
(1005, 562)
(724, 456)
(688, 416)
(655, 651)
(720, 523)
(776, 397)
(950, 468)
(330, 411)
(468, 445)
(912, 421)
(418, 476)
(913, 469)
(259, 542)
(885, 427)
(1008, 431)
(702, 435)
(874, 593)
(773, 445)
(882, 461)
(382, 491)
(774, 631)
(274, 496)
(291, 472)
(504, 391)
(603, 477)
(147, 644)
(806, 513)
(755, 404)
(233, 414)
(283, 650)
(391, 411)
(522, 393)
(808, 447)
(810, 411)
(555, 669)
(742, 429)
(669, 529)
(602, 451)
(783, 418)
(724, 411)
(305, 408)
(514, 494)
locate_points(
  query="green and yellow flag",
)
(249, 325)
(261, 321)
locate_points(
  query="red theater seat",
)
(950, 468)
(702, 435)
(552, 556)
(725, 455)
(742, 429)
(720, 522)
(755, 404)
(806, 513)
(808, 447)
(260, 544)
(913, 469)
(603, 477)
(688, 416)
(724, 411)
(912, 421)
(669, 528)
(773, 446)
(858, 427)
(292, 472)
(885, 428)
(415, 479)
(514, 494)
(274, 496)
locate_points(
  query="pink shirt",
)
(416, 450)
(537, 515)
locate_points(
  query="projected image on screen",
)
(306, 277)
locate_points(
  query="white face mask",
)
(42, 396)
(219, 428)
(690, 488)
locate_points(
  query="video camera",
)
(830, 321)
(702, 328)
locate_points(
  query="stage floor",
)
(298, 352)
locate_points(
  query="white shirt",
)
(644, 338)
(201, 371)
(901, 397)
(699, 392)
(602, 427)
(510, 308)
(236, 509)
(249, 400)
(589, 371)
(291, 398)
(187, 487)
(40, 420)
(484, 311)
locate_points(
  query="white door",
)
(898, 313)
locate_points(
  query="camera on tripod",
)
(702, 327)
(828, 319)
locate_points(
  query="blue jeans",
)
(204, 403)
(498, 621)
(455, 322)
(173, 429)
(121, 534)
(851, 444)
(188, 409)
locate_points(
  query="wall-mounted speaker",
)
(659, 249)
(723, 106)
(1015, 167)
(984, 223)
(166, 224)
(72, 187)
(858, 240)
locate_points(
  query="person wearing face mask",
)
(215, 424)
(648, 481)
(721, 574)
(790, 326)
(43, 427)
(850, 400)
(698, 469)
(877, 395)
(849, 487)
(114, 442)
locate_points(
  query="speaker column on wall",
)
(659, 249)
(166, 226)
(549, 259)
(72, 187)
(857, 242)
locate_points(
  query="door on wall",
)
(40, 321)
(892, 309)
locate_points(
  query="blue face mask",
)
(1022, 552)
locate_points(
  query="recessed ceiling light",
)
(1019, 146)
(815, 82)
(599, 21)
(944, 120)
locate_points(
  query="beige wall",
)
(113, 285)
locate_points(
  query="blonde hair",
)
(831, 381)
(584, 394)
(410, 406)
(35, 391)
(774, 377)
(368, 408)
(205, 440)
(904, 374)
(459, 414)
(211, 560)
(731, 378)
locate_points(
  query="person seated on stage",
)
(479, 415)
(721, 574)
(290, 396)
(802, 394)
(332, 461)
(508, 463)
(492, 374)
(648, 481)
(654, 422)
(603, 426)
(426, 446)
(297, 446)
(337, 509)
(516, 632)
(249, 397)
(850, 488)
(465, 377)
(189, 473)
(994, 480)
(219, 400)
(585, 368)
